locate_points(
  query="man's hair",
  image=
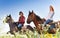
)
(20, 12)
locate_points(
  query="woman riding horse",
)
(32, 17)
(50, 16)
(49, 19)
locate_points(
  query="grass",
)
(29, 34)
(32, 35)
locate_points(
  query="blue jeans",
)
(47, 22)
(52, 26)
(20, 26)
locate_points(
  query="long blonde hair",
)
(51, 8)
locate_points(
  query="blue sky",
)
(40, 7)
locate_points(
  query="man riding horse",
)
(21, 20)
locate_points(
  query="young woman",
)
(49, 18)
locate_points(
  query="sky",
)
(40, 7)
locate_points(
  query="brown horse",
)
(36, 20)
(32, 17)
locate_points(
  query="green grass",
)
(30, 34)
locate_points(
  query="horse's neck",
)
(43, 20)
(39, 19)
(35, 22)
(38, 27)
(10, 22)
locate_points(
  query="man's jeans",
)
(20, 26)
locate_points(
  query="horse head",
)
(30, 17)
(8, 18)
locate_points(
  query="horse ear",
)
(29, 12)
(32, 11)
(10, 15)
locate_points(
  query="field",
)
(29, 34)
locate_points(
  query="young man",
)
(21, 20)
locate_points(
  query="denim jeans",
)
(52, 26)
(47, 22)
(20, 26)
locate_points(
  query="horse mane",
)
(38, 18)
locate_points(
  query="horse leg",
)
(13, 32)
(16, 29)
(53, 31)
(39, 29)
(8, 32)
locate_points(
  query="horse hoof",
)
(7, 32)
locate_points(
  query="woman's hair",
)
(52, 7)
